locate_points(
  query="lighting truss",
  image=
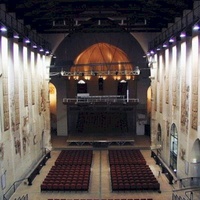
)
(100, 73)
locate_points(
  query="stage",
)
(91, 141)
(100, 143)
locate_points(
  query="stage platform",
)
(112, 141)
(100, 143)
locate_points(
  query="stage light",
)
(3, 29)
(196, 27)
(171, 40)
(183, 34)
(16, 36)
(27, 41)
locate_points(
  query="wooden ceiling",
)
(69, 16)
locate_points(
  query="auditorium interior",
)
(99, 100)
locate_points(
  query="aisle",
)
(100, 186)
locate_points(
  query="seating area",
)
(129, 171)
(106, 199)
(126, 157)
(71, 172)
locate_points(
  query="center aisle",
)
(100, 182)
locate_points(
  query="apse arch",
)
(53, 105)
(72, 46)
(195, 159)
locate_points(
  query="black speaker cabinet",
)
(100, 83)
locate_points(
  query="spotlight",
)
(164, 45)
(27, 41)
(171, 40)
(158, 49)
(34, 46)
(3, 29)
(16, 36)
(196, 27)
(41, 49)
(182, 35)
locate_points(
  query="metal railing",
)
(24, 197)
(101, 99)
(12, 189)
(18, 27)
(187, 21)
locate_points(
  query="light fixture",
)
(164, 45)
(3, 29)
(158, 49)
(151, 52)
(183, 34)
(27, 41)
(122, 81)
(16, 36)
(34, 46)
(171, 40)
(196, 27)
(137, 70)
(41, 49)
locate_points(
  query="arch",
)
(78, 43)
(173, 147)
(53, 105)
(195, 159)
(149, 96)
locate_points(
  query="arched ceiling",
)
(102, 56)
(70, 16)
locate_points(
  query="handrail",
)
(191, 192)
(19, 27)
(24, 197)
(188, 182)
(188, 193)
(29, 177)
(176, 197)
(13, 185)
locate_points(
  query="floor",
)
(100, 187)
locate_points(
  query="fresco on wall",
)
(155, 97)
(42, 100)
(161, 98)
(194, 118)
(5, 105)
(25, 134)
(167, 90)
(183, 105)
(25, 92)
(1, 151)
(17, 144)
(174, 92)
(187, 109)
(33, 88)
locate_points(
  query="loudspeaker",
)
(100, 83)
(81, 88)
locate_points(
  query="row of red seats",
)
(78, 157)
(131, 173)
(68, 177)
(126, 157)
(107, 199)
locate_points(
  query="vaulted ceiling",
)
(69, 16)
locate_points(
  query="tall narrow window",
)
(173, 147)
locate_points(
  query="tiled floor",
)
(100, 187)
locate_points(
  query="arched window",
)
(173, 147)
